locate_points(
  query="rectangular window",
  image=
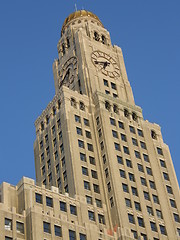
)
(56, 155)
(149, 171)
(132, 129)
(113, 85)
(90, 147)
(107, 92)
(137, 206)
(101, 218)
(88, 199)
(121, 125)
(88, 134)
(63, 206)
(41, 144)
(42, 157)
(53, 129)
(115, 134)
(176, 217)
(96, 188)
(38, 198)
(135, 235)
(146, 158)
(140, 167)
(134, 191)
(86, 185)
(77, 119)
(86, 122)
(159, 150)
(163, 229)
(94, 174)
(8, 238)
(143, 181)
(140, 222)
(159, 214)
(83, 157)
(131, 218)
(119, 159)
(143, 145)
(80, 143)
(128, 203)
(117, 146)
(126, 150)
(46, 138)
(125, 187)
(73, 210)
(92, 160)
(82, 236)
(169, 189)
(98, 203)
(155, 199)
(163, 164)
(49, 164)
(152, 184)
(47, 227)
(112, 121)
(128, 163)
(8, 224)
(100, 132)
(134, 141)
(109, 186)
(49, 202)
(57, 231)
(111, 202)
(50, 177)
(105, 82)
(104, 159)
(150, 211)
(72, 235)
(137, 154)
(20, 227)
(166, 176)
(140, 133)
(91, 215)
(106, 172)
(173, 203)
(79, 131)
(153, 226)
(122, 173)
(131, 177)
(146, 196)
(85, 171)
(57, 168)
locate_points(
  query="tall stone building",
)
(102, 171)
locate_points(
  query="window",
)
(128, 163)
(173, 203)
(137, 206)
(137, 154)
(104, 159)
(105, 82)
(113, 85)
(59, 182)
(96, 36)
(131, 177)
(50, 177)
(150, 210)
(20, 227)
(123, 137)
(91, 215)
(112, 121)
(163, 229)
(82, 236)
(109, 186)
(126, 150)
(98, 203)
(77, 119)
(47, 149)
(88, 134)
(73, 210)
(86, 122)
(54, 143)
(8, 224)
(134, 116)
(159, 150)
(134, 141)
(153, 226)
(63, 206)
(94, 174)
(163, 164)
(125, 187)
(57, 231)
(143, 181)
(41, 144)
(126, 113)
(65, 176)
(146, 158)
(143, 145)
(46, 138)
(140, 167)
(49, 164)
(97, 120)
(83, 157)
(134, 234)
(106, 172)
(144, 236)
(155, 199)
(86, 185)
(38, 198)
(79, 131)
(8, 238)
(131, 218)
(49, 202)
(56, 155)
(146, 196)
(59, 123)
(92, 160)
(149, 171)
(72, 235)
(42, 156)
(121, 125)
(178, 232)
(128, 202)
(115, 134)
(122, 173)
(81, 106)
(152, 184)
(176, 217)
(107, 105)
(80, 144)
(132, 129)
(119, 159)
(85, 171)
(99, 132)
(66, 189)
(96, 188)
(159, 214)
(140, 133)
(169, 189)
(117, 146)
(112, 201)
(134, 191)
(47, 227)
(140, 222)
(101, 218)
(102, 145)
(107, 92)
(90, 147)
(166, 176)
(88, 199)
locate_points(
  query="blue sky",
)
(148, 33)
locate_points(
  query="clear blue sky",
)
(148, 33)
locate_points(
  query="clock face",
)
(68, 72)
(105, 63)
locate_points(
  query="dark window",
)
(86, 185)
(72, 235)
(98, 203)
(92, 160)
(169, 189)
(128, 163)
(143, 145)
(109, 186)
(163, 230)
(47, 227)
(159, 214)
(88, 134)
(131, 177)
(112, 121)
(166, 176)
(106, 172)
(150, 210)
(81, 106)
(128, 202)
(104, 159)
(137, 154)
(63, 206)
(126, 150)
(97, 121)
(107, 92)
(144, 236)
(88, 199)
(131, 218)
(79, 131)
(126, 113)
(83, 157)
(117, 146)
(140, 222)
(101, 218)
(134, 116)
(8, 238)
(125, 187)
(42, 156)
(149, 171)
(137, 206)
(122, 173)
(77, 119)
(115, 134)
(119, 159)
(90, 147)
(91, 215)
(152, 184)
(99, 132)
(80, 144)
(57, 231)
(140, 167)
(134, 141)
(113, 86)
(159, 150)
(94, 174)
(163, 164)
(102, 145)
(8, 224)
(105, 82)
(176, 217)
(155, 199)
(143, 181)
(85, 171)
(49, 164)
(46, 138)
(49, 202)
(86, 122)
(41, 144)
(134, 191)
(134, 234)
(107, 105)
(146, 157)
(173, 203)
(96, 188)
(123, 137)
(178, 232)
(111, 201)
(38, 198)
(146, 196)
(140, 133)
(82, 236)
(73, 210)
(132, 129)
(153, 226)
(121, 124)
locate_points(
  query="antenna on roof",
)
(75, 7)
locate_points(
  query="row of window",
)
(78, 120)
(9, 226)
(74, 104)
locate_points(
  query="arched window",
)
(96, 36)
(134, 116)
(103, 39)
(115, 108)
(73, 102)
(153, 134)
(81, 106)
(107, 106)
(126, 113)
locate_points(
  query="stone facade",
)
(94, 152)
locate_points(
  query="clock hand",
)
(104, 63)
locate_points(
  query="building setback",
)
(102, 171)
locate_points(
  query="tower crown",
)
(78, 14)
